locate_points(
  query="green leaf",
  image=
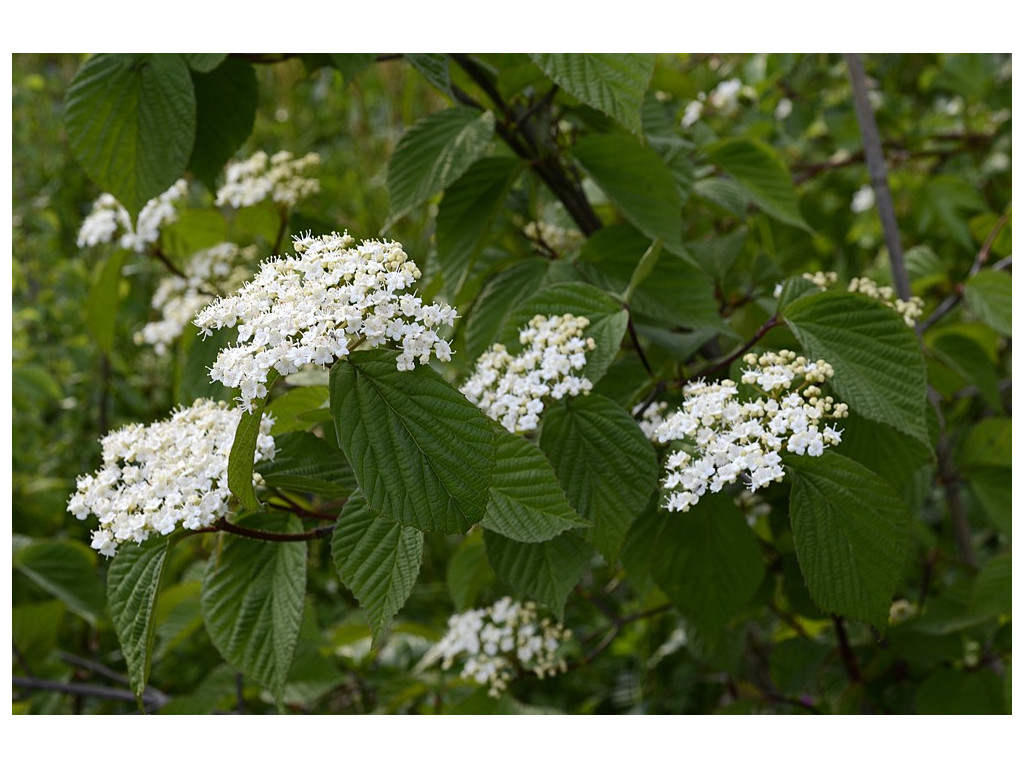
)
(707, 561)
(377, 559)
(133, 583)
(468, 571)
(608, 321)
(545, 571)
(762, 174)
(526, 502)
(605, 464)
(852, 536)
(879, 368)
(969, 360)
(34, 628)
(303, 462)
(716, 255)
(613, 83)
(988, 444)
(67, 570)
(104, 300)
(992, 592)
(882, 449)
(434, 68)
(959, 692)
(131, 121)
(204, 62)
(993, 488)
(465, 215)
(433, 153)
(637, 182)
(297, 408)
(192, 378)
(499, 297)
(725, 193)
(193, 230)
(243, 451)
(226, 99)
(422, 454)
(252, 599)
(988, 296)
(351, 64)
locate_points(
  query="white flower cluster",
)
(510, 388)
(558, 239)
(724, 98)
(318, 306)
(499, 640)
(909, 310)
(282, 178)
(651, 419)
(108, 218)
(725, 438)
(157, 476)
(178, 299)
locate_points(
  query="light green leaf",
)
(637, 182)
(131, 121)
(104, 300)
(194, 230)
(133, 583)
(252, 599)
(988, 294)
(605, 464)
(67, 570)
(435, 152)
(852, 536)
(377, 559)
(708, 561)
(297, 408)
(762, 174)
(545, 571)
(613, 83)
(226, 98)
(879, 368)
(526, 503)
(305, 463)
(243, 451)
(725, 193)
(421, 453)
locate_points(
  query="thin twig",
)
(95, 666)
(254, 533)
(770, 323)
(151, 698)
(846, 651)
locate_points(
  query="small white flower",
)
(692, 113)
(108, 218)
(281, 178)
(783, 109)
(863, 199)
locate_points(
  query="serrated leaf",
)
(465, 215)
(545, 571)
(434, 68)
(67, 570)
(852, 535)
(526, 502)
(637, 182)
(614, 83)
(879, 368)
(500, 296)
(377, 559)
(988, 294)
(131, 121)
(226, 98)
(762, 174)
(252, 600)
(243, 451)
(104, 300)
(433, 153)
(708, 561)
(608, 321)
(133, 583)
(605, 464)
(305, 463)
(421, 452)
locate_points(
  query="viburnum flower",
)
(178, 298)
(511, 389)
(281, 178)
(158, 476)
(910, 310)
(109, 218)
(726, 439)
(319, 305)
(498, 640)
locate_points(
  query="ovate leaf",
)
(852, 535)
(131, 121)
(252, 599)
(225, 113)
(421, 453)
(377, 559)
(243, 451)
(762, 174)
(545, 571)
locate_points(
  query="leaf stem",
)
(254, 533)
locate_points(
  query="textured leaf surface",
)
(545, 571)
(707, 561)
(988, 294)
(243, 452)
(434, 153)
(879, 368)
(637, 182)
(377, 559)
(613, 83)
(133, 581)
(526, 502)
(852, 534)
(303, 462)
(252, 600)
(608, 321)
(421, 453)
(762, 174)
(605, 464)
(434, 68)
(67, 570)
(225, 114)
(131, 121)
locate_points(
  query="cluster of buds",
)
(281, 178)
(108, 220)
(910, 310)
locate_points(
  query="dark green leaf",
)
(204, 62)
(351, 64)
(131, 121)
(762, 174)
(67, 570)
(988, 294)
(422, 454)
(243, 451)
(434, 68)
(468, 571)
(225, 114)
(506, 291)
(992, 593)
(305, 463)
(545, 571)
(966, 357)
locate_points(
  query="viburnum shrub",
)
(648, 411)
